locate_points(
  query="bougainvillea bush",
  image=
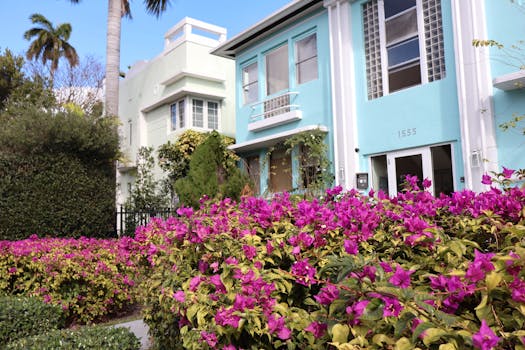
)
(89, 278)
(348, 271)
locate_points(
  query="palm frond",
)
(156, 7)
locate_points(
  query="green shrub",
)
(95, 338)
(22, 317)
(57, 175)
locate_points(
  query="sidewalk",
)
(141, 331)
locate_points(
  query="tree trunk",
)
(113, 57)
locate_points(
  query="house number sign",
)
(406, 132)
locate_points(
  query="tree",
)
(211, 174)
(18, 90)
(50, 43)
(116, 10)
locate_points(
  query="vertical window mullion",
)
(422, 45)
(382, 39)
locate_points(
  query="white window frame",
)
(296, 58)
(205, 112)
(384, 52)
(178, 126)
(247, 85)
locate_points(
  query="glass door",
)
(414, 162)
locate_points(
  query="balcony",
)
(276, 111)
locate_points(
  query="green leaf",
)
(381, 339)
(420, 329)
(492, 280)
(432, 335)
(340, 333)
(447, 346)
(404, 344)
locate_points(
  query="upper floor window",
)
(177, 115)
(306, 59)
(205, 114)
(277, 70)
(250, 83)
(403, 44)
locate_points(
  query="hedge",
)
(56, 195)
(85, 338)
(22, 317)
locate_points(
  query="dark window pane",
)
(404, 77)
(393, 7)
(409, 165)
(442, 169)
(404, 52)
(401, 27)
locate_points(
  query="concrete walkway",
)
(141, 331)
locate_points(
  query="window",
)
(213, 115)
(177, 115)
(205, 114)
(198, 113)
(306, 60)
(250, 83)
(277, 70)
(403, 44)
(310, 168)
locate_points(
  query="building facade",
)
(400, 88)
(184, 87)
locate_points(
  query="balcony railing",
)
(275, 106)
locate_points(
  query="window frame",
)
(386, 69)
(180, 123)
(246, 85)
(205, 112)
(297, 63)
(266, 77)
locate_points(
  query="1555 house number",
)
(406, 132)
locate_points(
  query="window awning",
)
(270, 140)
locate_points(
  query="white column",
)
(476, 113)
(343, 92)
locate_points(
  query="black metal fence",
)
(126, 221)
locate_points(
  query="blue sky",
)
(142, 36)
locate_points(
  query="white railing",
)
(275, 106)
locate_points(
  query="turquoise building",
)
(397, 85)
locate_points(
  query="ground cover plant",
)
(348, 271)
(90, 279)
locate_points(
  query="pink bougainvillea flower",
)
(351, 247)
(401, 278)
(276, 325)
(304, 272)
(427, 183)
(485, 339)
(356, 311)
(229, 347)
(231, 261)
(195, 282)
(392, 307)
(249, 251)
(225, 317)
(219, 286)
(209, 338)
(269, 247)
(507, 173)
(518, 290)
(486, 180)
(327, 294)
(385, 266)
(480, 266)
(318, 329)
(179, 296)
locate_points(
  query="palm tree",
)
(116, 10)
(50, 43)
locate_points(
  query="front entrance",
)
(433, 163)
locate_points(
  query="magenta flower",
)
(179, 296)
(276, 325)
(356, 311)
(351, 247)
(507, 173)
(225, 317)
(249, 251)
(401, 278)
(485, 339)
(318, 329)
(480, 266)
(486, 180)
(209, 338)
(195, 282)
(219, 286)
(327, 294)
(392, 307)
(304, 272)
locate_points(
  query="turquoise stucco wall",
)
(506, 24)
(431, 109)
(314, 97)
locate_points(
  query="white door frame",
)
(426, 163)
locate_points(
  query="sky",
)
(142, 36)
